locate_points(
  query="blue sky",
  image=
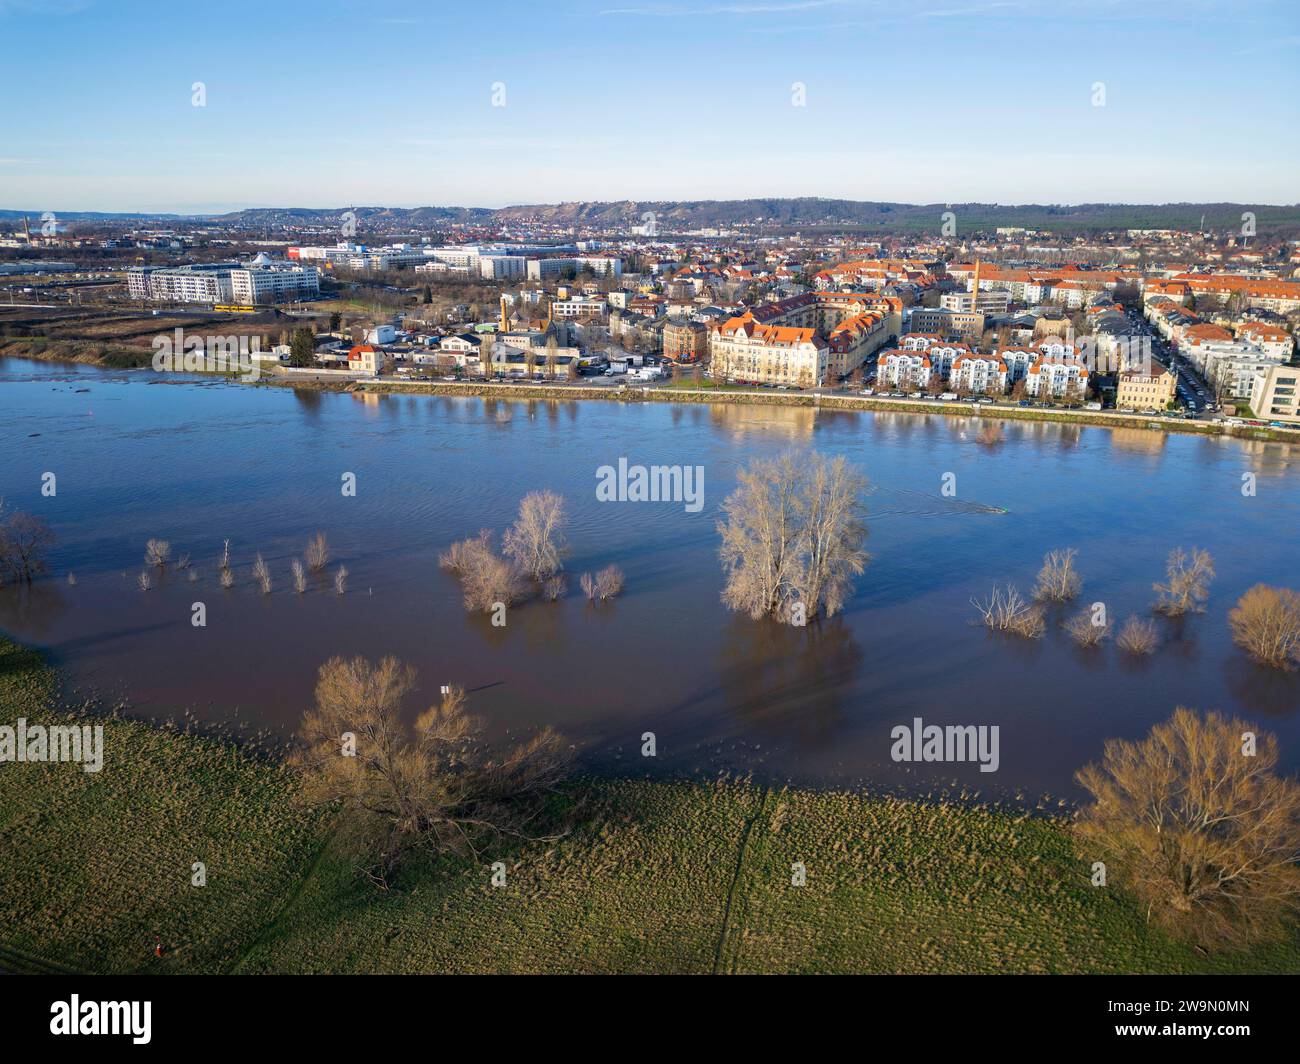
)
(340, 102)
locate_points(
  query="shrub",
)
(317, 553)
(1187, 582)
(262, 574)
(486, 578)
(1266, 624)
(1006, 611)
(609, 582)
(1057, 580)
(1084, 631)
(157, 552)
(1137, 636)
(1202, 831)
(341, 580)
(299, 576)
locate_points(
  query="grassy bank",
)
(658, 877)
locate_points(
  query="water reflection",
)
(788, 683)
(1259, 690)
(795, 423)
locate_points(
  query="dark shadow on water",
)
(34, 608)
(789, 683)
(1257, 689)
(1180, 636)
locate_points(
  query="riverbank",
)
(124, 357)
(658, 876)
(648, 393)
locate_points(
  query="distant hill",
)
(770, 214)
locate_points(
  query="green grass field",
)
(656, 877)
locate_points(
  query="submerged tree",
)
(486, 578)
(1058, 580)
(436, 786)
(1266, 624)
(535, 542)
(1198, 826)
(1187, 582)
(792, 536)
(24, 542)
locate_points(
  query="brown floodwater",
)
(200, 462)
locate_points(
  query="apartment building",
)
(685, 341)
(1276, 393)
(581, 308)
(1273, 340)
(258, 285)
(950, 324)
(1060, 377)
(1138, 389)
(207, 282)
(742, 349)
(600, 265)
(854, 340)
(985, 374)
(248, 284)
(966, 302)
(904, 369)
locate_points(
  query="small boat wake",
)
(905, 502)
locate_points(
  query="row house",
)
(986, 374)
(1056, 378)
(903, 369)
(1018, 359)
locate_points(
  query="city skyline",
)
(990, 102)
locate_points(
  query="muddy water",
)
(200, 462)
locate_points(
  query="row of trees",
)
(1185, 589)
(1265, 621)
